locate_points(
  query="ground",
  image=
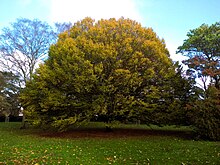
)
(91, 144)
(117, 133)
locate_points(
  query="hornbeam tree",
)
(114, 68)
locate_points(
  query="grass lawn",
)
(126, 145)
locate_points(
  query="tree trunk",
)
(6, 119)
(23, 124)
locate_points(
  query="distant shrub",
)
(205, 115)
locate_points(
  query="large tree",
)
(24, 45)
(203, 49)
(114, 68)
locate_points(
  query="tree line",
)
(115, 70)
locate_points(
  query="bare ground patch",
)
(116, 133)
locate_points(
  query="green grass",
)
(27, 147)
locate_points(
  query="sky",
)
(170, 19)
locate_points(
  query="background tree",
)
(62, 27)
(204, 115)
(24, 45)
(9, 91)
(3, 102)
(114, 68)
(178, 91)
(202, 48)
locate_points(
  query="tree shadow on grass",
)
(117, 133)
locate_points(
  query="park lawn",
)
(32, 146)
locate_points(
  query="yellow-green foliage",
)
(111, 67)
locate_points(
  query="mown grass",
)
(27, 147)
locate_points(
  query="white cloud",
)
(74, 10)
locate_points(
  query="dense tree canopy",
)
(114, 68)
(203, 49)
(178, 92)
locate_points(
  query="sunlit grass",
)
(26, 147)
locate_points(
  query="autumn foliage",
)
(114, 68)
(117, 70)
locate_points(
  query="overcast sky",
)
(170, 19)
